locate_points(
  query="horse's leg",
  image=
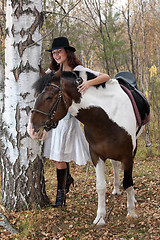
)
(115, 165)
(101, 190)
(128, 186)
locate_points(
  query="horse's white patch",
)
(116, 190)
(83, 75)
(114, 101)
(131, 202)
(101, 190)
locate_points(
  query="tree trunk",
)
(22, 166)
(1, 98)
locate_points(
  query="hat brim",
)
(70, 48)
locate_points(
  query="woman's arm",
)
(82, 88)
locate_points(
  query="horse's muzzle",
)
(49, 125)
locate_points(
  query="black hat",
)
(61, 42)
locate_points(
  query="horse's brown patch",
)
(106, 138)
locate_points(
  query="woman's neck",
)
(66, 67)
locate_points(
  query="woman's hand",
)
(43, 136)
(31, 132)
(82, 88)
(36, 135)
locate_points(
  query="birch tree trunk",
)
(2, 34)
(22, 166)
(1, 99)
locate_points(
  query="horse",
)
(109, 120)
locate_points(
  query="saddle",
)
(140, 104)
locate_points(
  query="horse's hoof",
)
(132, 215)
(116, 192)
(99, 221)
(135, 201)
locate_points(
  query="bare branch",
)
(60, 6)
(55, 25)
(73, 17)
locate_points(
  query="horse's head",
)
(53, 99)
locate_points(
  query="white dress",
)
(67, 142)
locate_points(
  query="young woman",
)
(67, 141)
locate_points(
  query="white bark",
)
(1, 99)
(22, 167)
(1, 86)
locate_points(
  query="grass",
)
(75, 220)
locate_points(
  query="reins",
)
(52, 112)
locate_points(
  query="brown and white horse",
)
(109, 122)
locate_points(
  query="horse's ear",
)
(41, 71)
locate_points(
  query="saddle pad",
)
(136, 111)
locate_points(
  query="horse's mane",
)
(46, 79)
(42, 82)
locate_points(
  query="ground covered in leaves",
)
(74, 221)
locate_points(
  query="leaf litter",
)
(75, 220)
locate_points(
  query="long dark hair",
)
(73, 61)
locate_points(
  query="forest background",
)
(109, 38)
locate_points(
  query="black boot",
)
(69, 179)
(61, 194)
(60, 199)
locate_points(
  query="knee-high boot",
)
(69, 179)
(61, 194)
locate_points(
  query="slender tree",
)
(1, 98)
(22, 165)
(2, 37)
(108, 31)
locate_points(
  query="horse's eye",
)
(49, 98)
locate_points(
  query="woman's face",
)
(59, 55)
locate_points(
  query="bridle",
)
(52, 112)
